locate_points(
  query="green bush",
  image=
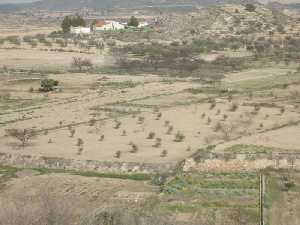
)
(48, 85)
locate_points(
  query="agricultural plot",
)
(282, 192)
(141, 112)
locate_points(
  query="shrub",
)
(124, 133)
(134, 148)
(164, 153)
(15, 40)
(101, 138)
(48, 85)
(151, 135)
(208, 120)
(261, 125)
(256, 108)
(111, 43)
(157, 143)
(81, 64)
(158, 116)
(170, 130)
(288, 185)
(80, 142)
(179, 137)
(217, 127)
(118, 124)
(72, 132)
(167, 123)
(233, 107)
(212, 105)
(156, 110)
(141, 120)
(80, 150)
(33, 44)
(92, 122)
(117, 154)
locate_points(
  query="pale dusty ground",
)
(71, 197)
(11, 30)
(37, 59)
(285, 138)
(255, 74)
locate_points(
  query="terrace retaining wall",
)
(241, 162)
(29, 161)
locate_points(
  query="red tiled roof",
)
(100, 23)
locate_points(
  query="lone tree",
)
(133, 22)
(22, 135)
(81, 64)
(48, 85)
(72, 21)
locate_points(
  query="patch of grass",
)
(7, 172)
(191, 207)
(119, 84)
(257, 149)
(133, 176)
(197, 182)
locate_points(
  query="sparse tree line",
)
(175, 59)
(56, 42)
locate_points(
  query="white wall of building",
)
(80, 30)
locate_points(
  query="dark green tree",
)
(133, 22)
(75, 21)
(48, 85)
(66, 24)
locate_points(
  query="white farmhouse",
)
(101, 25)
(80, 30)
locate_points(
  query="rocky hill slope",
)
(223, 21)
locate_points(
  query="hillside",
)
(109, 4)
(223, 21)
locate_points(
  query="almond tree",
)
(22, 135)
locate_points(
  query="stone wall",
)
(242, 162)
(29, 161)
